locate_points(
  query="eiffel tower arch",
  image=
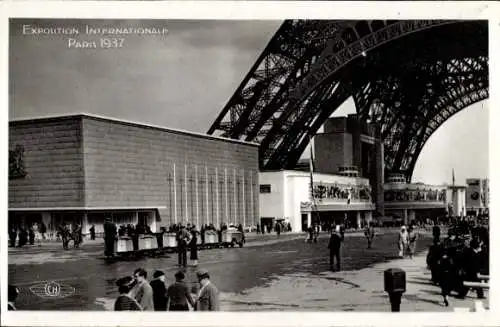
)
(416, 74)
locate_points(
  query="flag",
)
(453, 176)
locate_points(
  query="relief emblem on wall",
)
(16, 163)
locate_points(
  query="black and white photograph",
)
(292, 165)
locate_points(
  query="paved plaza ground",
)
(267, 274)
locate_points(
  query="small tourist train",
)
(158, 244)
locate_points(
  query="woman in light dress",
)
(403, 241)
(412, 241)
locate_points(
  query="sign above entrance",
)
(415, 195)
(342, 192)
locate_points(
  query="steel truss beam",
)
(412, 74)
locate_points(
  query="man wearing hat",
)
(334, 247)
(208, 296)
(159, 291)
(125, 302)
(178, 295)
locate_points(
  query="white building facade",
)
(285, 195)
(477, 197)
(415, 201)
(456, 196)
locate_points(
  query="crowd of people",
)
(278, 227)
(137, 294)
(461, 256)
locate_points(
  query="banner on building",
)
(474, 193)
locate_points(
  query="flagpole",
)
(311, 178)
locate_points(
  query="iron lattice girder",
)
(287, 51)
(430, 99)
(420, 119)
(277, 103)
(336, 55)
(457, 105)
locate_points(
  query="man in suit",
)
(208, 296)
(474, 260)
(178, 295)
(142, 291)
(183, 238)
(334, 246)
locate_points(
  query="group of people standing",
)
(66, 233)
(278, 227)
(407, 241)
(187, 237)
(137, 294)
(21, 235)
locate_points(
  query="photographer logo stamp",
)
(52, 290)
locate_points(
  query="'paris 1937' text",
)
(102, 43)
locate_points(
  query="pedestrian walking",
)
(142, 291)
(23, 237)
(402, 241)
(278, 229)
(193, 246)
(92, 232)
(433, 256)
(36, 230)
(159, 291)
(178, 295)
(13, 236)
(436, 233)
(310, 236)
(242, 231)
(31, 235)
(64, 233)
(183, 238)
(77, 236)
(109, 237)
(412, 241)
(208, 296)
(447, 276)
(334, 246)
(369, 234)
(316, 233)
(43, 230)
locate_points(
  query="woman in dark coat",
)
(446, 275)
(194, 246)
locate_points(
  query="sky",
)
(182, 79)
